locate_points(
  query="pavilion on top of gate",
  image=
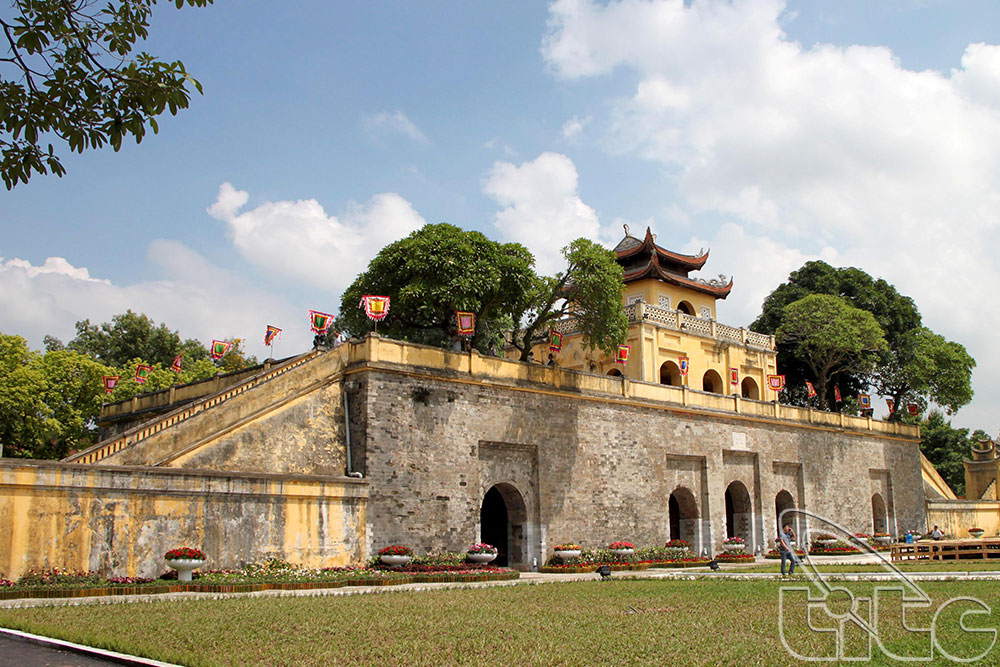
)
(672, 317)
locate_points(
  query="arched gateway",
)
(739, 513)
(502, 523)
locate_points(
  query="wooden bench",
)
(947, 550)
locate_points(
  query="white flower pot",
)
(976, 534)
(393, 560)
(826, 543)
(184, 566)
(623, 552)
(481, 557)
(568, 554)
(884, 539)
(734, 547)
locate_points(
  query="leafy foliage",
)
(49, 401)
(916, 366)
(589, 289)
(73, 77)
(435, 271)
(830, 336)
(440, 269)
(946, 448)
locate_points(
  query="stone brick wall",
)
(594, 470)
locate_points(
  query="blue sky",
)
(860, 133)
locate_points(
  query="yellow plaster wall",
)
(121, 520)
(956, 517)
(650, 290)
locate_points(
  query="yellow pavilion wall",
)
(121, 520)
(651, 290)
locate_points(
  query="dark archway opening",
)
(670, 374)
(614, 372)
(493, 525)
(739, 513)
(682, 510)
(784, 501)
(685, 308)
(880, 518)
(712, 382)
(749, 389)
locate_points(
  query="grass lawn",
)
(617, 622)
(905, 566)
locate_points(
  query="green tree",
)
(830, 336)
(70, 73)
(435, 271)
(48, 402)
(946, 448)
(131, 335)
(917, 365)
(924, 365)
(589, 289)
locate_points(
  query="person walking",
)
(786, 549)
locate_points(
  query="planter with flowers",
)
(824, 540)
(185, 560)
(678, 544)
(976, 533)
(567, 552)
(481, 553)
(882, 538)
(395, 555)
(622, 548)
(734, 544)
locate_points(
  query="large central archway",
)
(784, 501)
(712, 382)
(502, 519)
(739, 513)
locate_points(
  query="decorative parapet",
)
(689, 324)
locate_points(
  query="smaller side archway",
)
(712, 382)
(682, 511)
(739, 513)
(614, 372)
(686, 308)
(880, 518)
(749, 389)
(784, 501)
(670, 374)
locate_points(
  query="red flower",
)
(185, 553)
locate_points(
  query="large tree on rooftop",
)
(589, 289)
(916, 366)
(830, 336)
(70, 74)
(436, 271)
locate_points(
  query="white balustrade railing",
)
(677, 320)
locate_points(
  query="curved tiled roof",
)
(652, 269)
(631, 246)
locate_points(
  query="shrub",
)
(445, 558)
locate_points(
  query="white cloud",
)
(193, 296)
(836, 150)
(395, 123)
(572, 128)
(297, 239)
(542, 208)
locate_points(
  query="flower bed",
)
(835, 549)
(567, 568)
(774, 555)
(268, 575)
(735, 557)
(680, 562)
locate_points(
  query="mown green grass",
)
(905, 566)
(638, 621)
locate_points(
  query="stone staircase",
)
(160, 440)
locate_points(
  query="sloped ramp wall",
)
(121, 520)
(291, 424)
